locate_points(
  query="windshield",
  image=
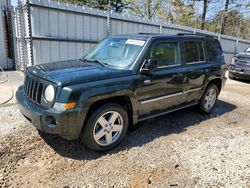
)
(248, 49)
(118, 51)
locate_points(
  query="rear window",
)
(213, 50)
(194, 52)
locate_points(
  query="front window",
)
(116, 51)
(165, 53)
(248, 50)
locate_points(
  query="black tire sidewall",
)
(87, 134)
(202, 100)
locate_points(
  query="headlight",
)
(234, 60)
(49, 93)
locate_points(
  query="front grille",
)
(33, 88)
(242, 64)
(244, 61)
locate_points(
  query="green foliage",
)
(145, 8)
(230, 20)
(236, 24)
(116, 6)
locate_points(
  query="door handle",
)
(147, 81)
(206, 70)
(178, 75)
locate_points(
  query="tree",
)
(204, 12)
(183, 12)
(231, 20)
(145, 8)
(236, 25)
(116, 6)
(224, 17)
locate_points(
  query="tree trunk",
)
(149, 9)
(224, 17)
(204, 12)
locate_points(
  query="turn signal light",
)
(70, 105)
(64, 106)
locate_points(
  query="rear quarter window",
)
(213, 50)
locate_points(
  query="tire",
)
(231, 76)
(105, 127)
(209, 98)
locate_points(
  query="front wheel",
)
(105, 127)
(209, 98)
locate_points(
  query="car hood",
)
(75, 72)
(243, 55)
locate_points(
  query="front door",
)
(163, 87)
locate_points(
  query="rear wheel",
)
(209, 98)
(105, 128)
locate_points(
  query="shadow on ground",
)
(173, 123)
(242, 80)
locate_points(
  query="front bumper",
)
(67, 124)
(240, 74)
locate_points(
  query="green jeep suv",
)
(122, 81)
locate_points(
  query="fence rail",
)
(53, 31)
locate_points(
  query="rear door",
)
(195, 68)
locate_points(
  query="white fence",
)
(51, 31)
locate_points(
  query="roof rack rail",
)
(197, 34)
(141, 33)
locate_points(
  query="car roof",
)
(186, 36)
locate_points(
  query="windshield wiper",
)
(95, 61)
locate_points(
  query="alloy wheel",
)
(108, 128)
(210, 98)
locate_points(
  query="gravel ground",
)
(182, 149)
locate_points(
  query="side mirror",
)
(150, 65)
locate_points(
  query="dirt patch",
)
(182, 149)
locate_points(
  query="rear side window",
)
(165, 53)
(194, 52)
(213, 50)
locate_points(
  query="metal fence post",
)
(20, 36)
(109, 19)
(237, 46)
(161, 22)
(29, 37)
(108, 24)
(23, 35)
